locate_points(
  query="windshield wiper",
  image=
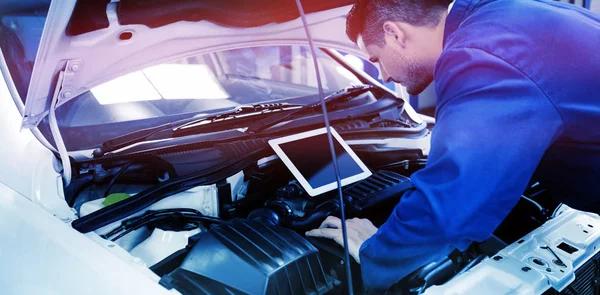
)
(182, 127)
(336, 97)
(193, 125)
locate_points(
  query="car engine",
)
(224, 231)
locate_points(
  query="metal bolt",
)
(75, 67)
(548, 269)
(137, 260)
(66, 94)
(66, 219)
(97, 152)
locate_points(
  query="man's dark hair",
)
(367, 17)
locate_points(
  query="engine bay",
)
(236, 226)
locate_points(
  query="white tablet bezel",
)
(315, 191)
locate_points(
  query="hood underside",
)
(91, 15)
(92, 42)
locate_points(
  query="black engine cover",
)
(249, 257)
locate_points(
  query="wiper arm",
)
(131, 138)
(182, 127)
(336, 97)
(238, 112)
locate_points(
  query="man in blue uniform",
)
(518, 86)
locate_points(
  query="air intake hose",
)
(278, 214)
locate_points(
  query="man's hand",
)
(359, 230)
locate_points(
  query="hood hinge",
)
(66, 91)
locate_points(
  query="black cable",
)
(331, 147)
(75, 194)
(114, 179)
(143, 160)
(138, 221)
(132, 223)
(113, 232)
(122, 234)
(155, 216)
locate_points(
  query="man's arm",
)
(493, 126)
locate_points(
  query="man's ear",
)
(395, 33)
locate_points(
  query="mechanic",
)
(518, 87)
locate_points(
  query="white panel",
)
(40, 255)
(517, 273)
(26, 165)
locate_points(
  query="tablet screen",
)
(308, 156)
(312, 158)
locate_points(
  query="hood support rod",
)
(336, 167)
(58, 140)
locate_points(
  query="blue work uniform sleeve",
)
(493, 126)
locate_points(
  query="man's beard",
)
(419, 77)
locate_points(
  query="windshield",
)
(197, 85)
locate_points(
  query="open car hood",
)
(93, 41)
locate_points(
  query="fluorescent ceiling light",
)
(165, 81)
(129, 88)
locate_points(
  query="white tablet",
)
(308, 157)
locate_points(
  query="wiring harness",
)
(171, 219)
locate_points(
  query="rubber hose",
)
(314, 219)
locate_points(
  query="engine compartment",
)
(247, 220)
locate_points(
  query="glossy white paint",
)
(26, 165)
(506, 276)
(14, 94)
(39, 254)
(161, 244)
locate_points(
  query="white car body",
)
(36, 251)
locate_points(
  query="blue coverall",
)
(518, 86)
